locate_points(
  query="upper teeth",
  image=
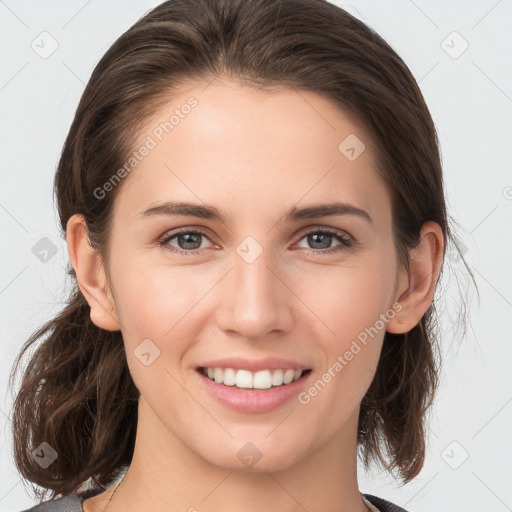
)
(263, 379)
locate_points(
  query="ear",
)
(416, 293)
(90, 275)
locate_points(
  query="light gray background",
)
(470, 98)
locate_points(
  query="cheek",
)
(153, 299)
(350, 335)
(346, 299)
(160, 304)
(349, 302)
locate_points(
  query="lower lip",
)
(253, 400)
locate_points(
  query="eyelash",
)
(347, 241)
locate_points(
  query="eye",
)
(189, 241)
(322, 239)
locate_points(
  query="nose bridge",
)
(253, 278)
(255, 301)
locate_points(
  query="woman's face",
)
(258, 284)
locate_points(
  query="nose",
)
(255, 299)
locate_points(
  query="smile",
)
(253, 392)
(263, 379)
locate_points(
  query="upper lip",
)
(266, 363)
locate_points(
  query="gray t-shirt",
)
(73, 503)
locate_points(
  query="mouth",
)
(245, 391)
(258, 381)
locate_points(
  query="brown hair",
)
(77, 393)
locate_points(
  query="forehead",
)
(246, 149)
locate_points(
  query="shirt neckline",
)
(89, 493)
(369, 504)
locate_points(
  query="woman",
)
(252, 197)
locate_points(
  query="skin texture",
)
(252, 154)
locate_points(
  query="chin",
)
(269, 465)
(256, 456)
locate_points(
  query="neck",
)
(170, 476)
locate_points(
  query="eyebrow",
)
(180, 208)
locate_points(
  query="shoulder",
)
(383, 505)
(70, 503)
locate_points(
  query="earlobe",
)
(416, 293)
(90, 275)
